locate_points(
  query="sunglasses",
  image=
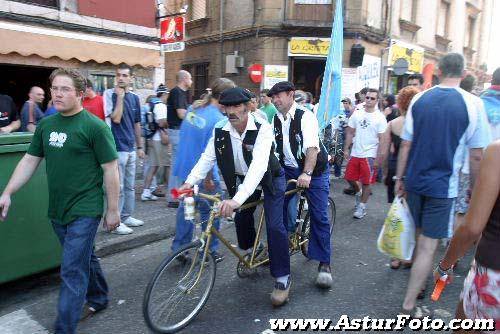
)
(370, 98)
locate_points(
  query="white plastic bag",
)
(397, 237)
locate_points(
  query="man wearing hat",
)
(232, 145)
(305, 159)
(158, 155)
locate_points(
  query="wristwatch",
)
(443, 272)
(395, 178)
(308, 172)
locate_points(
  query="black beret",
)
(234, 96)
(283, 86)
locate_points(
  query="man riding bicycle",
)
(304, 158)
(232, 145)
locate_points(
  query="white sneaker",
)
(122, 229)
(360, 211)
(132, 222)
(148, 196)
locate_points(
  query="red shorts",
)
(362, 170)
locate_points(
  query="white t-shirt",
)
(368, 126)
(160, 112)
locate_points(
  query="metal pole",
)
(221, 40)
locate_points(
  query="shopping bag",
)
(397, 237)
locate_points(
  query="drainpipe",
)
(221, 40)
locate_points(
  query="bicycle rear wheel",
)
(175, 296)
(305, 231)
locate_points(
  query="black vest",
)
(296, 141)
(225, 158)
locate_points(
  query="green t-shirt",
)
(74, 147)
(270, 111)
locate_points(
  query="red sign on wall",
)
(256, 73)
(172, 30)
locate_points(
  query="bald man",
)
(31, 113)
(177, 105)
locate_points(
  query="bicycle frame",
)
(210, 230)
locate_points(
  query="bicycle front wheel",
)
(305, 229)
(179, 289)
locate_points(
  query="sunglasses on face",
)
(370, 98)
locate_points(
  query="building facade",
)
(290, 38)
(91, 36)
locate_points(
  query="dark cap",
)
(283, 86)
(346, 99)
(162, 89)
(235, 96)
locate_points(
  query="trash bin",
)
(28, 244)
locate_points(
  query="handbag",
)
(397, 237)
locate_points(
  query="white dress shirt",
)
(253, 173)
(310, 132)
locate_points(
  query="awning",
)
(79, 47)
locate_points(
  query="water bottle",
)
(189, 208)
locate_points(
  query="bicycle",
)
(192, 269)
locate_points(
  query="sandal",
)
(395, 263)
(406, 265)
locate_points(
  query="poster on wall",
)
(369, 73)
(349, 83)
(274, 74)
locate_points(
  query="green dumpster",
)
(28, 244)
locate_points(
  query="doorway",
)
(307, 74)
(17, 80)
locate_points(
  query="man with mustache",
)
(232, 145)
(304, 158)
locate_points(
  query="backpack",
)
(149, 125)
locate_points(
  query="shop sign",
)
(413, 54)
(274, 74)
(172, 34)
(308, 47)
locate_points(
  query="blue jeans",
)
(81, 275)
(126, 166)
(173, 181)
(184, 228)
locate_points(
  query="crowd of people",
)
(424, 144)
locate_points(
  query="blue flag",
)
(329, 101)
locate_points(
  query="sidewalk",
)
(159, 223)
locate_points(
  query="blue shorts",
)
(430, 214)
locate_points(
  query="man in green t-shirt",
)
(79, 152)
(267, 106)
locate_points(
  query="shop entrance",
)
(307, 74)
(16, 81)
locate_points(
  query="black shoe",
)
(349, 191)
(173, 205)
(89, 311)
(158, 193)
(182, 258)
(218, 257)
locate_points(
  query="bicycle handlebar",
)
(176, 193)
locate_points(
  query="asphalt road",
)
(364, 285)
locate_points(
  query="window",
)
(469, 32)
(200, 78)
(444, 13)
(197, 10)
(409, 10)
(45, 3)
(102, 82)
